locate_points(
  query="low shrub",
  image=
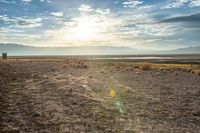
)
(195, 71)
(145, 66)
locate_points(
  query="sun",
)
(85, 30)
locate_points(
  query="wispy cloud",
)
(181, 3)
(132, 3)
(47, 1)
(57, 14)
(21, 22)
(85, 8)
(26, 1)
(7, 1)
(103, 11)
(28, 23)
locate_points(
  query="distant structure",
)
(4, 56)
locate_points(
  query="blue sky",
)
(154, 24)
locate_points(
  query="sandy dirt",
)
(73, 96)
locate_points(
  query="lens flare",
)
(119, 106)
(112, 93)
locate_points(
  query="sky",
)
(147, 24)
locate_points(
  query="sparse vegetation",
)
(172, 65)
(145, 66)
(79, 65)
(196, 71)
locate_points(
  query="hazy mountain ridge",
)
(189, 18)
(195, 50)
(18, 49)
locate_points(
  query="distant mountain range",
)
(188, 50)
(190, 18)
(17, 49)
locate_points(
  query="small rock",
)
(127, 69)
(161, 69)
(196, 113)
(175, 73)
(158, 73)
(91, 77)
(102, 71)
(36, 114)
(137, 67)
(138, 72)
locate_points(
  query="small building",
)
(4, 56)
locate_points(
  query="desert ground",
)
(95, 96)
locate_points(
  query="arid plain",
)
(76, 95)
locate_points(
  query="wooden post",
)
(4, 56)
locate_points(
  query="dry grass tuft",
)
(137, 67)
(79, 65)
(103, 71)
(64, 66)
(145, 66)
(196, 71)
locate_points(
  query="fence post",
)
(4, 56)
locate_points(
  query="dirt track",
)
(63, 96)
